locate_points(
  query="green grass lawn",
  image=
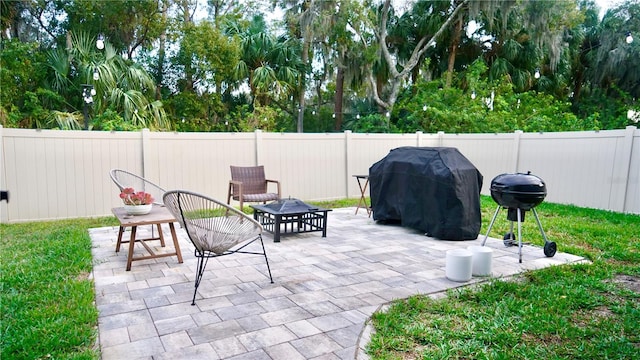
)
(586, 311)
(580, 311)
(47, 298)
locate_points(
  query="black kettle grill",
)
(519, 193)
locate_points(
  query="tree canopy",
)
(319, 65)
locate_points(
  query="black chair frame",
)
(203, 255)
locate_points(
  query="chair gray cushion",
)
(260, 197)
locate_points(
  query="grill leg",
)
(535, 213)
(549, 246)
(491, 224)
(519, 236)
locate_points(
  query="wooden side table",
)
(363, 182)
(158, 215)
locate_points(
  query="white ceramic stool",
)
(458, 265)
(481, 260)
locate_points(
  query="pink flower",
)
(130, 197)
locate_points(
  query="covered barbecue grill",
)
(519, 193)
(432, 189)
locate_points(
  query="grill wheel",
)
(549, 248)
(509, 239)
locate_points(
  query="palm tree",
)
(271, 65)
(119, 85)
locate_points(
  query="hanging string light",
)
(87, 93)
(537, 74)
(473, 95)
(96, 74)
(100, 42)
(87, 96)
(629, 38)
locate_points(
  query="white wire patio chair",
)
(124, 179)
(214, 228)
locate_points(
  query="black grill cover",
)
(431, 189)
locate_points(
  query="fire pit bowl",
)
(518, 191)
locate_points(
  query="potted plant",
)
(136, 203)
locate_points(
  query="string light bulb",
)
(96, 75)
(87, 93)
(629, 38)
(100, 42)
(473, 95)
(537, 74)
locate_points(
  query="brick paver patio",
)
(324, 292)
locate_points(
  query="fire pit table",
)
(290, 216)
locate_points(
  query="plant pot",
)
(138, 209)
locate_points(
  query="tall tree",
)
(185, 21)
(271, 65)
(349, 54)
(211, 55)
(162, 44)
(616, 62)
(128, 25)
(542, 25)
(398, 76)
(10, 19)
(29, 20)
(310, 21)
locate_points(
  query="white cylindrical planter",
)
(458, 265)
(481, 260)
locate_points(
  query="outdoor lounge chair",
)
(248, 184)
(124, 179)
(214, 228)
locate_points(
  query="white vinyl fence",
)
(54, 174)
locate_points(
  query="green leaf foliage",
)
(477, 105)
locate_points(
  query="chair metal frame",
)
(249, 184)
(125, 179)
(214, 228)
